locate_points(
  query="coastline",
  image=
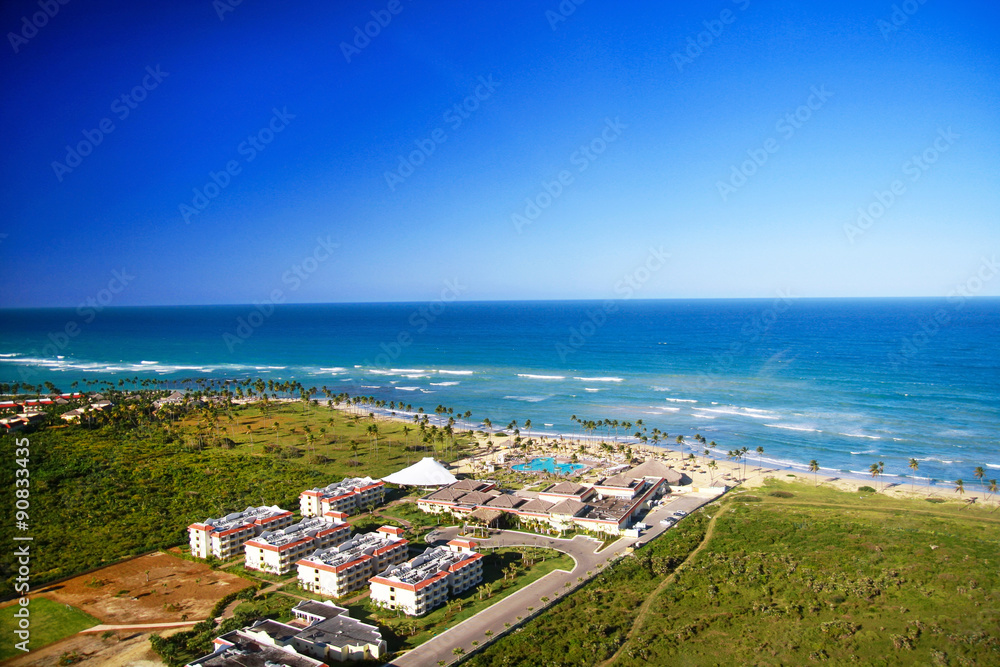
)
(726, 471)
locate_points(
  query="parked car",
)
(666, 522)
(680, 513)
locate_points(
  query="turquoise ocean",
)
(847, 382)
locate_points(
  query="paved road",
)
(581, 549)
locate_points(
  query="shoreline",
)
(726, 471)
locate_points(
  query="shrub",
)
(867, 489)
(782, 494)
(750, 499)
(934, 500)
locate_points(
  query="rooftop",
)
(246, 652)
(346, 485)
(359, 545)
(247, 516)
(433, 561)
(305, 528)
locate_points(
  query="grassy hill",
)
(787, 574)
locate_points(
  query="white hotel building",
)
(339, 570)
(425, 582)
(347, 496)
(225, 537)
(277, 551)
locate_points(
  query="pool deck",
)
(552, 466)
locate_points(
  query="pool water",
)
(548, 465)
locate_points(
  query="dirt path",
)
(647, 603)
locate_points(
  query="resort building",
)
(347, 567)
(425, 582)
(610, 506)
(320, 633)
(225, 537)
(277, 551)
(347, 496)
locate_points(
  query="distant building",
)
(337, 571)
(320, 633)
(347, 496)
(425, 582)
(225, 537)
(277, 551)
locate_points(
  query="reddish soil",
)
(157, 588)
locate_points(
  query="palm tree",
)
(980, 473)
(760, 457)
(914, 466)
(992, 488)
(814, 469)
(873, 469)
(959, 487)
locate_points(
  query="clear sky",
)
(739, 138)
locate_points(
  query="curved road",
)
(552, 585)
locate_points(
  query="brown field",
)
(176, 590)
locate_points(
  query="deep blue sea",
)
(845, 382)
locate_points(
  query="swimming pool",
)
(549, 465)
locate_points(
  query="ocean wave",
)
(590, 389)
(541, 377)
(147, 363)
(738, 412)
(698, 415)
(867, 451)
(862, 435)
(407, 370)
(335, 369)
(527, 399)
(600, 379)
(10, 354)
(369, 386)
(376, 371)
(455, 372)
(444, 384)
(681, 400)
(671, 409)
(656, 388)
(408, 388)
(793, 428)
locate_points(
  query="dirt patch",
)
(157, 588)
(126, 648)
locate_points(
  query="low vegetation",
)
(50, 622)
(821, 575)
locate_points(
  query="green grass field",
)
(820, 575)
(50, 622)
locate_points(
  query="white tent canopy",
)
(425, 472)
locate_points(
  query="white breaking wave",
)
(591, 389)
(862, 435)
(680, 400)
(793, 428)
(408, 388)
(444, 384)
(541, 377)
(456, 372)
(147, 363)
(600, 379)
(407, 370)
(526, 399)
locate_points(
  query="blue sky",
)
(652, 114)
